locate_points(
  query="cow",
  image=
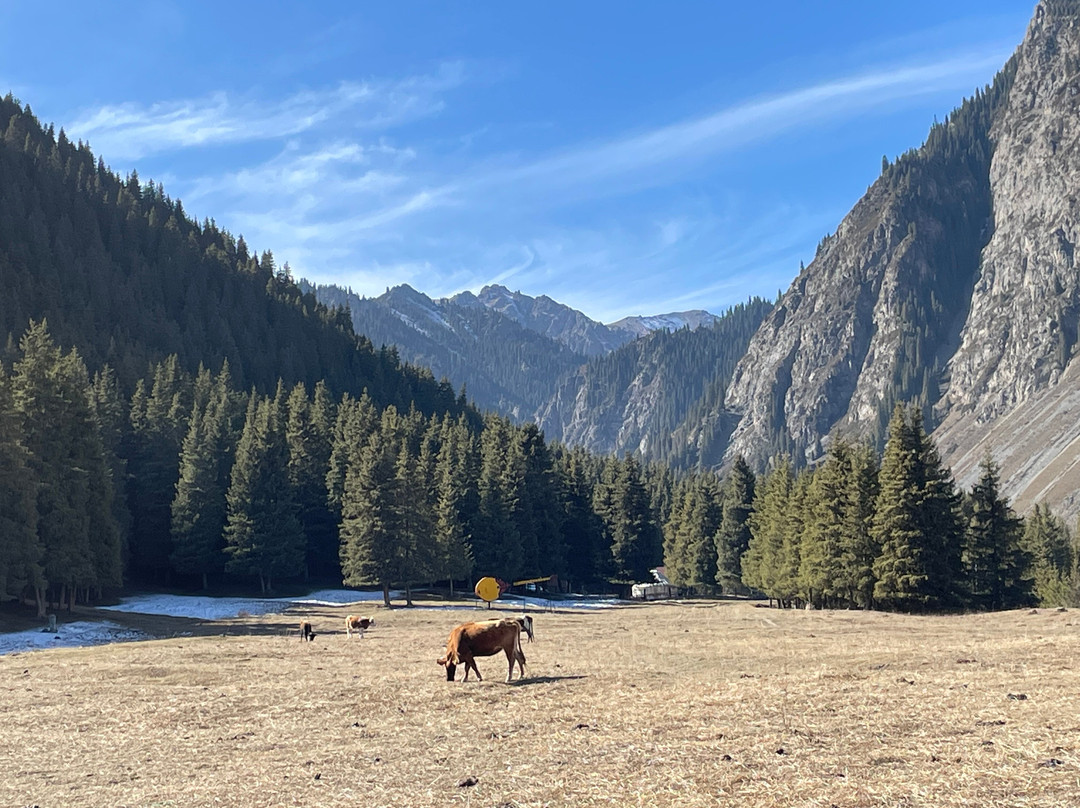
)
(305, 632)
(470, 640)
(358, 624)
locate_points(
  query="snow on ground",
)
(68, 635)
(200, 607)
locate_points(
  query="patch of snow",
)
(69, 635)
(208, 608)
(578, 602)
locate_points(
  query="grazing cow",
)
(470, 640)
(358, 624)
(305, 632)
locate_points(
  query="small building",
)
(656, 591)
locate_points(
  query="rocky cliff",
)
(953, 283)
(875, 316)
(1015, 385)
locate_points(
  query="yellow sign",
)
(487, 589)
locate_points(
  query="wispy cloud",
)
(755, 120)
(348, 206)
(133, 131)
(661, 155)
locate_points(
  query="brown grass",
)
(680, 705)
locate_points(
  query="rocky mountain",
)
(550, 318)
(654, 395)
(504, 366)
(641, 326)
(510, 351)
(951, 283)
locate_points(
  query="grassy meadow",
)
(689, 704)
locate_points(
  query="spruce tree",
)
(996, 566)
(20, 550)
(623, 505)
(763, 560)
(370, 504)
(820, 556)
(309, 435)
(587, 559)
(199, 509)
(77, 531)
(1047, 540)
(454, 551)
(916, 523)
(263, 535)
(858, 548)
(733, 536)
(496, 543)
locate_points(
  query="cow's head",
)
(451, 668)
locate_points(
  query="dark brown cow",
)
(305, 632)
(358, 624)
(471, 640)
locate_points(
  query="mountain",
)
(654, 396)
(550, 318)
(504, 366)
(119, 270)
(641, 326)
(951, 283)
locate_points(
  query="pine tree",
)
(309, 435)
(996, 567)
(77, 532)
(20, 550)
(623, 505)
(369, 511)
(263, 535)
(199, 509)
(763, 559)
(454, 550)
(916, 523)
(733, 537)
(1046, 539)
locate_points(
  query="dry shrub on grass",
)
(681, 705)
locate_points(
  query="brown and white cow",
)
(306, 632)
(358, 624)
(471, 640)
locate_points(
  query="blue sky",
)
(623, 158)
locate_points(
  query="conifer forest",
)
(176, 412)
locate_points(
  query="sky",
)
(621, 158)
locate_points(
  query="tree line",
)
(860, 530)
(188, 481)
(191, 482)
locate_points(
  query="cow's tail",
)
(519, 655)
(453, 651)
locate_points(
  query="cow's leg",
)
(472, 663)
(510, 659)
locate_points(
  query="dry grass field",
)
(666, 705)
